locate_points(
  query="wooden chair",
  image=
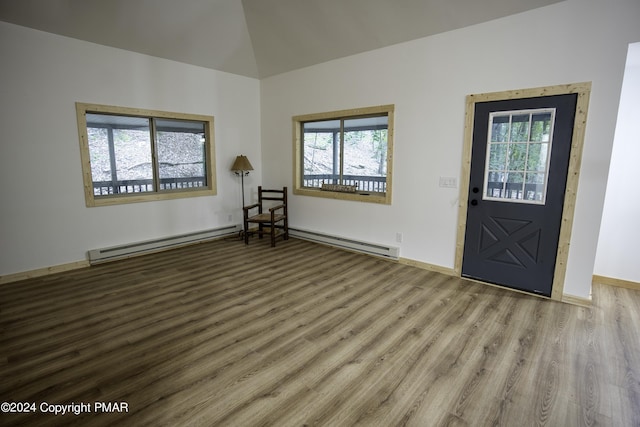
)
(276, 219)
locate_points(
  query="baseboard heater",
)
(342, 242)
(97, 256)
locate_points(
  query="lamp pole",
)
(242, 166)
(242, 174)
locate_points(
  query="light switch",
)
(448, 182)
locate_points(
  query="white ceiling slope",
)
(255, 38)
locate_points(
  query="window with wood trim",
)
(345, 154)
(133, 155)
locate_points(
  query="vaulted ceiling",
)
(255, 38)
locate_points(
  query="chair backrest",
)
(279, 197)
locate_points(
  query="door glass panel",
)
(500, 129)
(540, 127)
(534, 186)
(514, 185)
(537, 158)
(498, 156)
(520, 128)
(518, 155)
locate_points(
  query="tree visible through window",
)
(350, 148)
(518, 155)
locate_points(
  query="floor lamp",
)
(241, 167)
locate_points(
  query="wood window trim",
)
(298, 189)
(91, 201)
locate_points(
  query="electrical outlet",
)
(399, 237)
(230, 218)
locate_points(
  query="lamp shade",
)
(241, 164)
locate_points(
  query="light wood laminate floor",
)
(302, 334)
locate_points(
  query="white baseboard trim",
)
(389, 252)
(132, 249)
(127, 251)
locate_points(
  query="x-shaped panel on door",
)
(509, 241)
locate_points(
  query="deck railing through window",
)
(128, 186)
(374, 184)
(515, 191)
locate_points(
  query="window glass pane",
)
(365, 153)
(540, 127)
(495, 184)
(517, 156)
(122, 147)
(520, 128)
(514, 185)
(537, 157)
(515, 177)
(99, 152)
(500, 129)
(498, 177)
(498, 157)
(320, 150)
(180, 146)
(534, 186)
(133, 154)
(535, 178)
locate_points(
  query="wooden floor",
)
(301, 334)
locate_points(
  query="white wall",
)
(427, 80)
(44, 221)
(617, 255)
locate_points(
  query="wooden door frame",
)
(583, 90)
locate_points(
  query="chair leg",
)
(246, 233)
(273, 235)
(286, 229)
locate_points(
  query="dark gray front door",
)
(519, 162)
